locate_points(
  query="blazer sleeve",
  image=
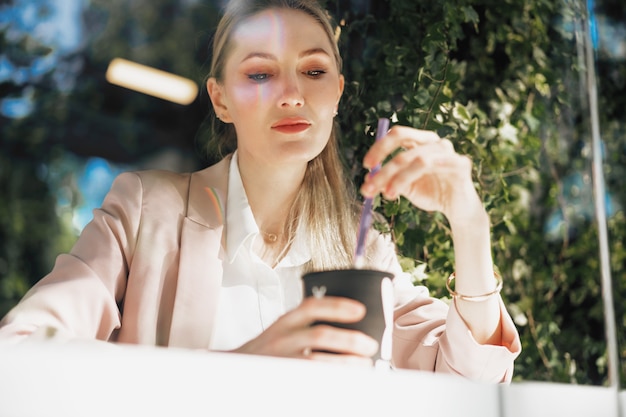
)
(81, 295)
(430, 335)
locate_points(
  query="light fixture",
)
(151, 81)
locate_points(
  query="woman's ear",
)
(216, 93)
(341, 85)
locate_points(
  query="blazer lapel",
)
(200, 266)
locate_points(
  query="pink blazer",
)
(147, 270)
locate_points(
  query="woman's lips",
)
(291, 125)
(296, 128)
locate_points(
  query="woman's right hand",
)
(293, 335)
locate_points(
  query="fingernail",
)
(390, 193)
(373, 346)
(359, 309)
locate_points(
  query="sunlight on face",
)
(269, 28)
(281, 86)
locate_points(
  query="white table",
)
(90, 380)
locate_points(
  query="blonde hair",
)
(326, 200)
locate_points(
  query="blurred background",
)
(506, 80)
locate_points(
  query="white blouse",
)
(252, 295)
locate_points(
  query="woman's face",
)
(280, 87)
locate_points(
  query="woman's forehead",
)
(274, 30)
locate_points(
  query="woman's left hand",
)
(428, 172)
(434, 177)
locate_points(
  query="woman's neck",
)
(271, 190)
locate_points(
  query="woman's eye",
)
(258, 76)
(315, 73)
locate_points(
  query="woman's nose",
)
(291, 94)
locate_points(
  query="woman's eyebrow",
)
(272, 57)
(262, 55)
(313, 51)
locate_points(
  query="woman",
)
(213, 259)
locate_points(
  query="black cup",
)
(371, 287)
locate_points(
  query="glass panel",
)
(506, 81)
(608, 32)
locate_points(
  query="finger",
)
(397, 137)
(403, 172)
(328, 308)
(413, 163)
(329, 338)
(290, 334)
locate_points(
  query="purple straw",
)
(366, 214)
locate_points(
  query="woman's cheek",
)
(251, 96)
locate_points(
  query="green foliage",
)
(502, 81)
(30, 233)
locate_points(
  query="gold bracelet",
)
(474, 298)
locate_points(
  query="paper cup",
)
(371, 287)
